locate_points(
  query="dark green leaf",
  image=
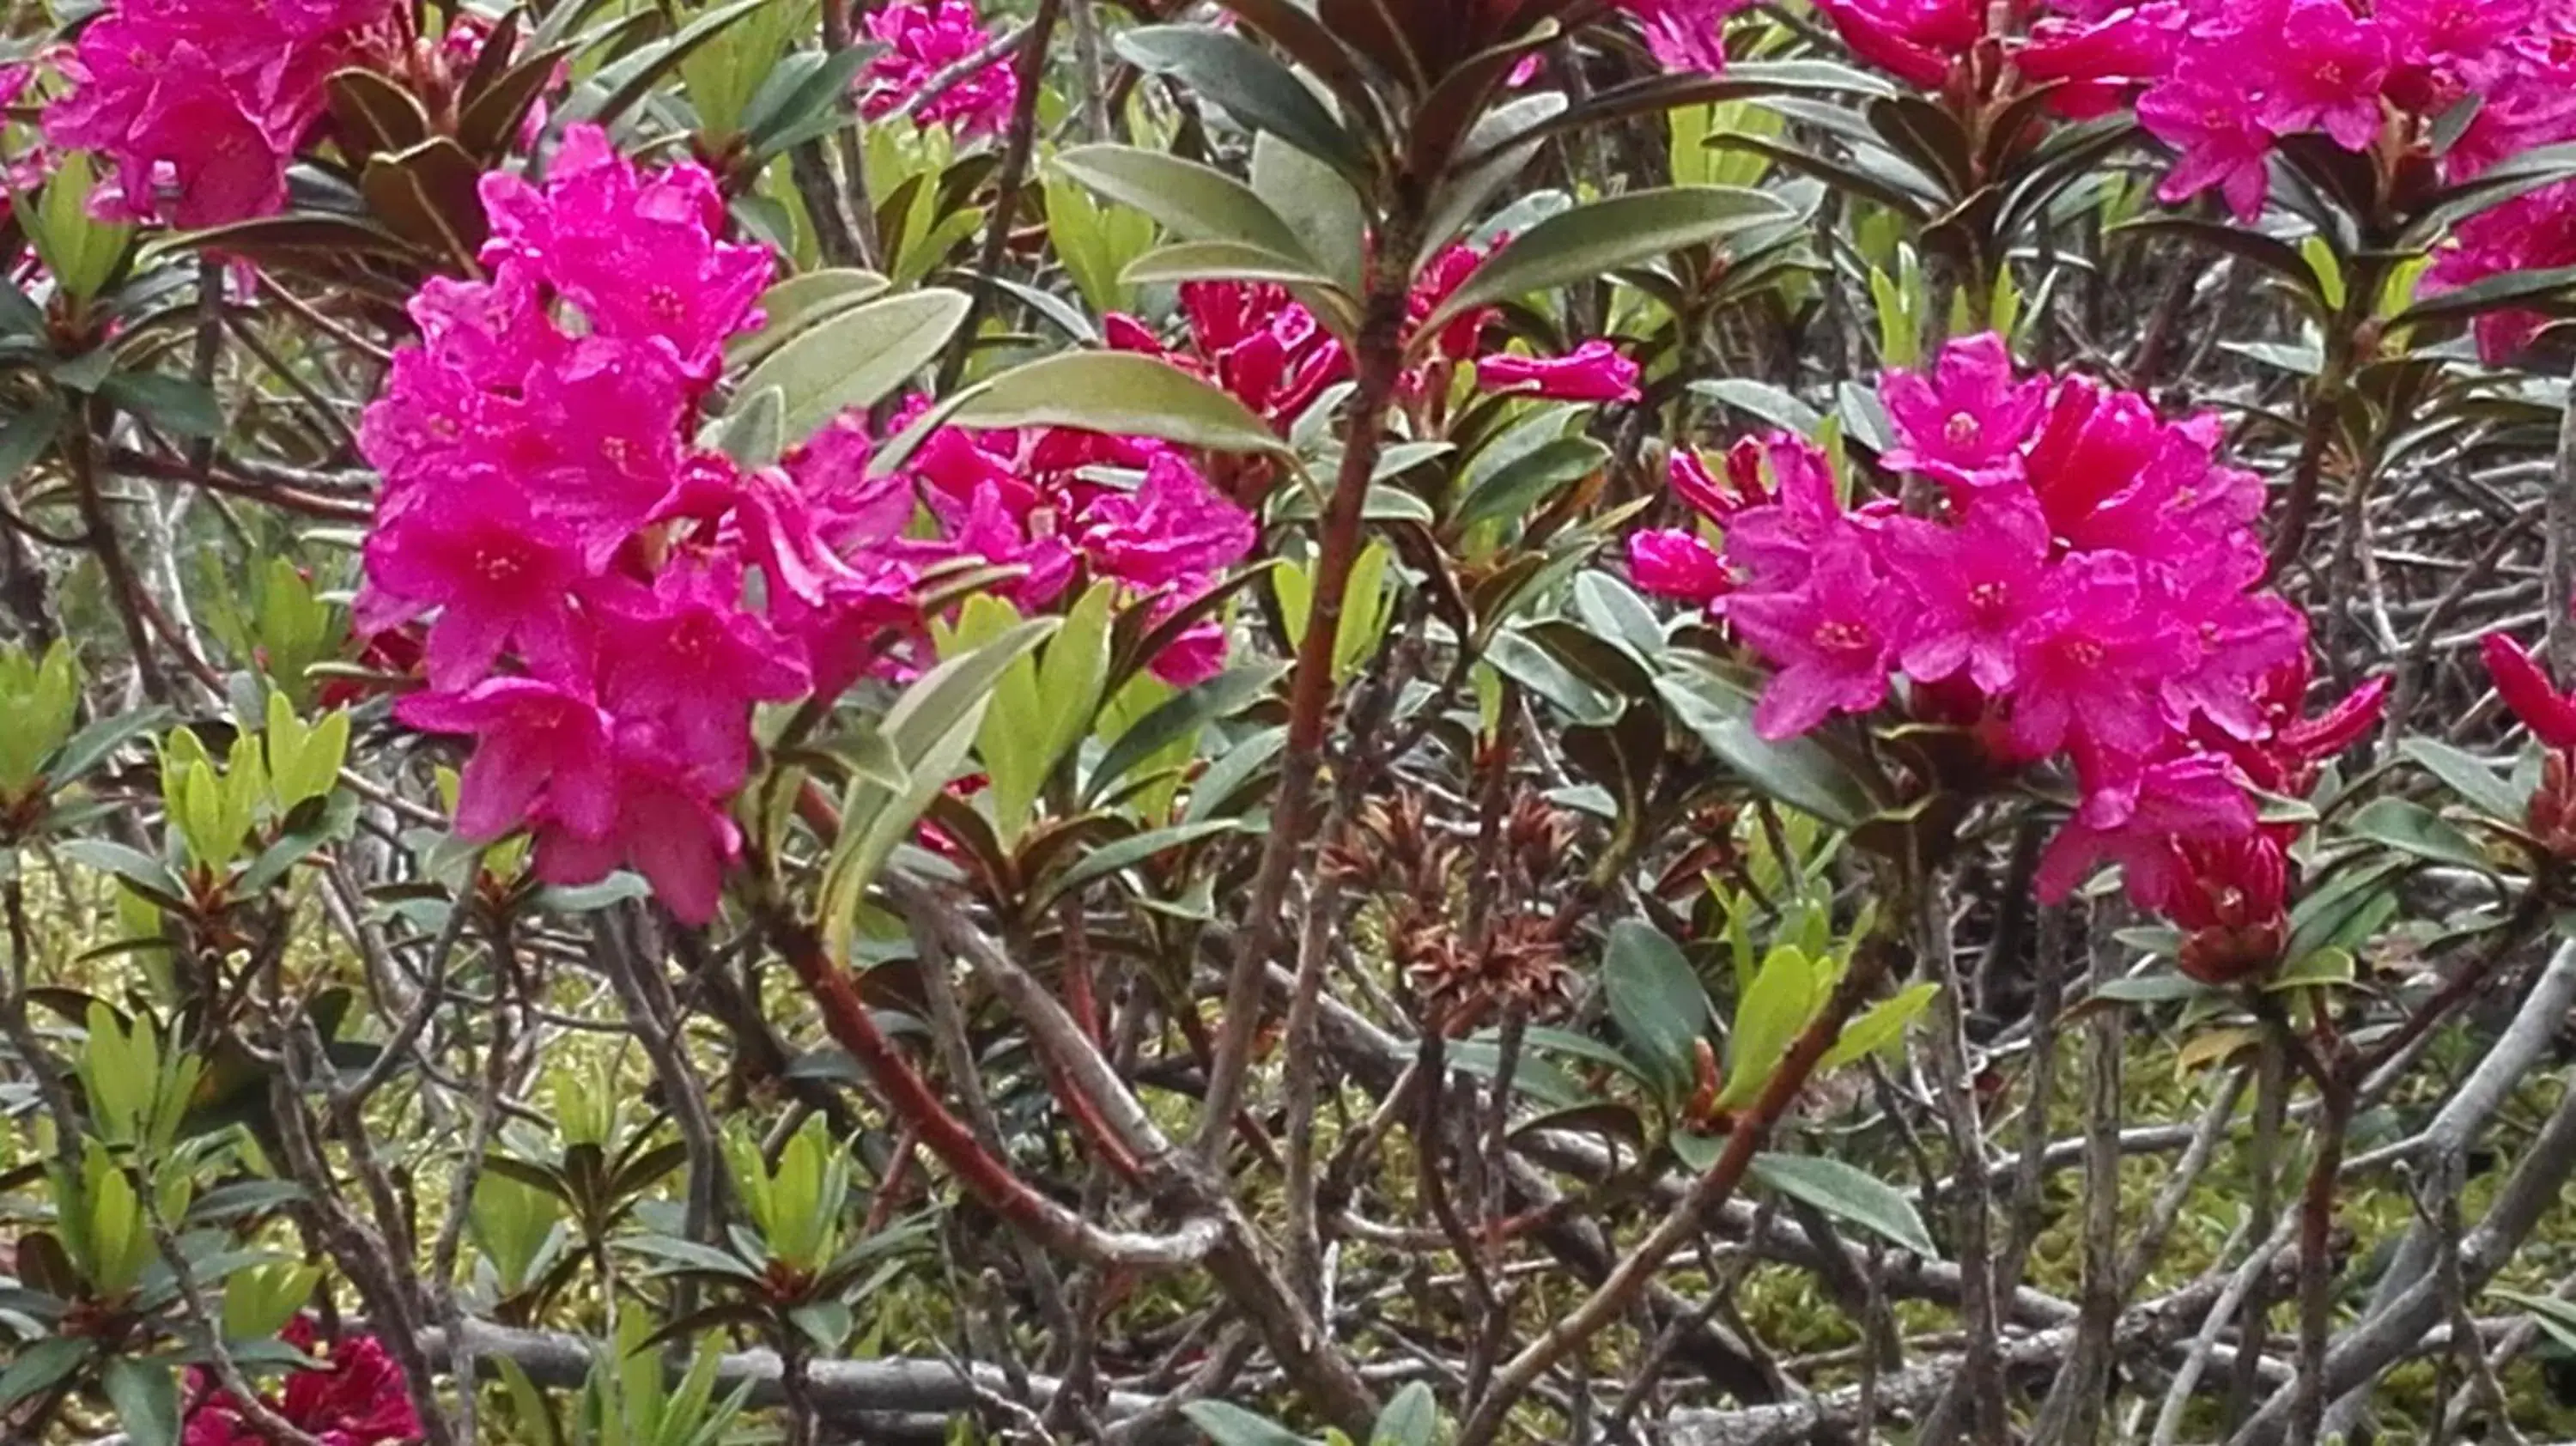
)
(2411, 828)
(2471, 777)
(1255, 89)
(1851, 1194)
(1119, 393)
(1801, 772)
(1518, 487)
(1177, 717)
(176, 405)
(1656, 999)
(1594, 240)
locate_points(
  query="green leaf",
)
(1767, 1020)
(1512, 653)
(1801, 772)
(754, 432)
(1848, 1193)
(176, 405)
(28, 435)
(2471, 777)
(1594, 240)
(2493, 293)
(1119, 393)
(1194, 202)
(146, 1397)
(1255, 89)
(1880, 1025)
(1763, 402)
(1216, 261)
(1520, 486)
(793, 306)
(2411, 828)
(690, 1255)
(1125, 854)
(620, 86)
(1318, 204)
(130, 864)
(1412, 1418)
(931, 729)
(1179, 717)
(1656, 999)
(1230, 1425)
(855, 359)
(41, 1367)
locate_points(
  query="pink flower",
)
(1966, 422)
(1686, 35)
(637, 254)
(2101, 60)
(2192, 798)
(1671, 563)
(2093, 654)
(199, 108)
(1775, 540)
(690, 656)
(499, 579)
(2223, 143)
(2325, 67)
(1592, 372)
(1172, 528)
(1830, 640)
(541, 753)
(1975, 587)
(2547, 712)
(2094, 446)
(1916, 40)
(922, 40)
(663, 821)
(353, 1396)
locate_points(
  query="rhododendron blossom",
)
(354, 1396)
(2084, 588)
(198, 108)
(607, 603)
(923, 40)
(1592, 372)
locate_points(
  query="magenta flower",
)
(1775, 541)
(1173, 528)
(662, 821)
(199, 108)
(1830, 640)
(353, 1396)
(2223, 144)
(636, 253)
(1915, 40)
(2094, 446)
(691, 657)
(541, 752)
(1668, 562)
(1686, 35)
(2093, 654)
(499, 580)
(1592, 372)
(1966, 422)
(2325, 67)
(920, 41)
(2189, 798)
(1976, 587)
(2547, 712)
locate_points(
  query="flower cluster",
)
(355, 1397)
(200, 107)
(585, 565)
(2243, 77)
(923, 40)
(606, 603)
(2085, 587)
(1056, 502)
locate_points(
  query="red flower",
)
(355, 1397)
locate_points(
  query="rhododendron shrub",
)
(1393, 721)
